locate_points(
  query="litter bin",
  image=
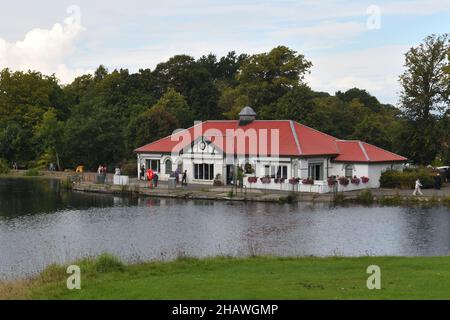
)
(172, 183)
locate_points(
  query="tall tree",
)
(424, 96)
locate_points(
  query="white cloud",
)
(45, 50)
(376, 70)
(326, 34)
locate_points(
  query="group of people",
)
(177, 174)
(102, 169)
(153, 177)
(437, 185)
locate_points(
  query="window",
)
(204, 171)
(168, 166)
(349, 171)
(180, 167)
(316, 171)
(155, 165)
(276, 171)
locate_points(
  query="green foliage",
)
(407, 179)
(108, 263)
(424, 97)
(365, 197)
(339, 198)
(32, 173)
(4, 166)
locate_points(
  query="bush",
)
(4, 166)
(129, 169)
(407, 179)
(365, 197)
(108, 263)
(32, 173)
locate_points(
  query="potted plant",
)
(343, 181)
(294, 181)
(365, 179)
(308, 181)
(252, 180)
(355, 180)
(280, 180)
(332, 182)
(266, 180)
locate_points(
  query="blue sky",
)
(349, 43)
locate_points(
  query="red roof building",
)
(308, 153)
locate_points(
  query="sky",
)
(351, 43)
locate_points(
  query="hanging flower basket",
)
(331, 182)
(294, 181)
(365, 180)
(280, 180)
(343, 181)
(308, 181)
(266, 180)
(356, 180)
(252, 180)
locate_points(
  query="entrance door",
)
(230, 174)
(316, 171)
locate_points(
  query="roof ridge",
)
(296, 139)
(364, 150)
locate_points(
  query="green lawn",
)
(252, 278)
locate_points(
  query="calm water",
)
(41, 224)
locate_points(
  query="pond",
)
(41, 224)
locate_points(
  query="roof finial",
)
(246, 116)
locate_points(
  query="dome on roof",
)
(247, 111)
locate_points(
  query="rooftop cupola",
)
(247, 115)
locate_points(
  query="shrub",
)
(108, 263)
(32, 173)
(339, 198)
(407, 179)
(365, 197)
(129, 169)
(4, 166)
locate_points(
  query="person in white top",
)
(418, 190)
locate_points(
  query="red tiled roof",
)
(357, 151)
(295, 140)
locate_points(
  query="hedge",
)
(407, 179)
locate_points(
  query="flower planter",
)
(344, 181)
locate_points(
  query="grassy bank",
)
(250, 278)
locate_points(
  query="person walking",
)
(418, 189)
(184, 181)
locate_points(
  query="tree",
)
(174, 103)
(151, 125)
(264, 78)
(424, 96)
(49, 132)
